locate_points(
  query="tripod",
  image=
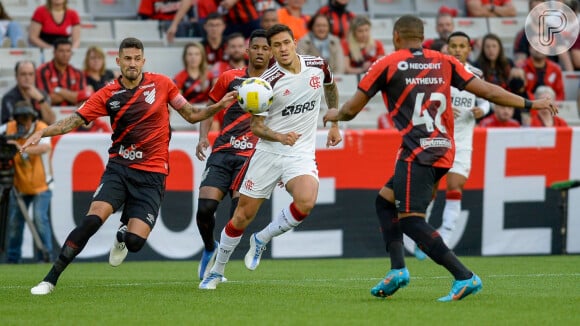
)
(4, 199)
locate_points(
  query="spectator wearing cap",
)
(32, 178)
(26, 90)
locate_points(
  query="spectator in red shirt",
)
(236, 54)
(541, 71)
(502, 117)
(539, 119)
(269, 18)
(360, 49)
(241, 16)
(52, 21)
(493, 62)
(338, 15)
(65, 84)
(213, 43)
(490, 8)
(195, 80)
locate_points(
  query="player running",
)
(416, 84)
(234, 145)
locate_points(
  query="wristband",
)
(527, 104)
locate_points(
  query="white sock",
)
(225, 250)
(450, 215)
(283, 223)
(429, 209)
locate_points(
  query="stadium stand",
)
(381, 29)
(571, 84)
(11, 56)
(145, 30)
(522, 8)
(429, 8)
(311, 6)
(429, 30)
(98, 33)
(112, 9)
(475, 27)
(391, 8)
(568, 110)
(506, 28)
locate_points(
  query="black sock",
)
(74, 244)
(391, 231)
(429, 240)
(205, 219)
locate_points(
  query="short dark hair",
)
(214, 16)
(131, 43)
(277, 29)
(459, 33)
(313, 19)
(233, 36)
(409, 27)
(21, 62)
(260, 32)
(61, 40)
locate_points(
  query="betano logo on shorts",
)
(435, 142)
(130, 153)
(241, 143)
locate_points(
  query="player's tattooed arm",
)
(260, 129)
(194, 114)
(58, 128)
(331, 95)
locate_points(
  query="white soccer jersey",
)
(465, 122)
(296, 105)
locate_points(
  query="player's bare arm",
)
(195, 114)
(331, 95)
(260, 129)
(498, 95)
(349, 110)
(58, 128)
(203, 142)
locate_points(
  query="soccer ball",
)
(255, 95)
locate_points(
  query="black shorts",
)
(221, 170)
(413, 185)
(141, 192)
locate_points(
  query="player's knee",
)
(206, 209)
(134, 242)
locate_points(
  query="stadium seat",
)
(6, 84)
(475, 27)
(506, 27)
(429, 24)
(568, 110)
(97, 33)
(571, 84)
(145, 30)
(312, 6)
(390, 8)
(357, 7)
(180, 42)
(108, 9)
(522, 7)
(163, 60)
(9, 57)
(430, 8)
(347, 85)
(382, 29)
(19, 9)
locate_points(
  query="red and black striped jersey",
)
(194, 90)
(235, 136)
(242, 12)
(215, 55)
(48, 78)
(339, 21)
(416, 87)
(139, 119)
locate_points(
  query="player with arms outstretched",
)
(134, 178)
(233, 146)
(285, 151)
(415, 84)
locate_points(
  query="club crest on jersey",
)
(315, 82)
(149, 96)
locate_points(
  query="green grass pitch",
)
(531, 290)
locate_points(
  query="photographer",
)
(31, 182)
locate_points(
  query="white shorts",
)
(462, 163)
(267, 169)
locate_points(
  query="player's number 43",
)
(420, 117)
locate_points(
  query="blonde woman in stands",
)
(320, 42)
(10, 31)
(96, 72)
(360, 49)
(539, 119)
(52, 21)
